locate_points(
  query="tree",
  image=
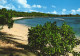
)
(6, 18)
(51, 40)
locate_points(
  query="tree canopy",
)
(34, 14)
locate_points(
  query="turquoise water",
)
(74, 22)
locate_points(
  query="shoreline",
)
(17, 18)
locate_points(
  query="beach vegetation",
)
(6, 18)
(51, 40)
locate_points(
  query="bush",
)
(6, 18)
(51, 40)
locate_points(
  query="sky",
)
(45, 6)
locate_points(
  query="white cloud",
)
(34, 5)
(8, 6)
(24, 3)
(37, 6)
(48, 12)
(73, 11)
(78, 10)
(54, 12)
(18, 5)
(5, 4)
(64, 11)
(53, 6)
(33, 11)
(1, 6)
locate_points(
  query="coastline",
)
(17, 18)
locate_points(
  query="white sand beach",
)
(16, 18)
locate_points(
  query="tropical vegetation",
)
(5, 18)
(34, 14)
(51, 40)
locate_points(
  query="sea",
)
(74, 22)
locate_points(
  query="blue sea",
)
(74, 22)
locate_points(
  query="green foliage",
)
(34, 14)
(52, 40)
(6, 18)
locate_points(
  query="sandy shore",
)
(18, 31)
(16, 18)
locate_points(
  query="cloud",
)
(73, 11)
(9, 6)
(64, 11)
(49, 12)
(1, 6)
(34, 6)
(37, 6)
(53, 6)
(54, 12)
(78, 10)
(24, 3)
(6, 4)
(19, 5)
(33, 11)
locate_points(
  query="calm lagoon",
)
(74, 22)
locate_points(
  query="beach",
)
(17, 18)
(19, 33)
(15, 40)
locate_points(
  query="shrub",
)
(51, 40)
(6, 18)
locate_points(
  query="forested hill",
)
(33, 14)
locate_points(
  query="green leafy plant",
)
(51, 40)
(6, 18)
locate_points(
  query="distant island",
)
(34, 14)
